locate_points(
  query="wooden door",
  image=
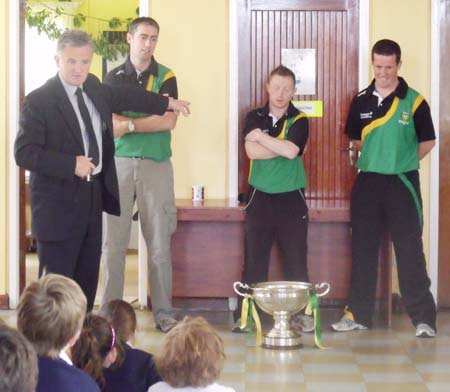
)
(444, 160)
(331, 27)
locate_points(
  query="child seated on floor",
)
(18, 362)
(191, 359)
(137, 371)
(50, 315)
(97, 349)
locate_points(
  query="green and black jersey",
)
(279, 174)
(158, 79)
(390, 130)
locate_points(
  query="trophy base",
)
(282, 343)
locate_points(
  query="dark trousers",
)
(281, 217)
(78, 257)
(380, 202)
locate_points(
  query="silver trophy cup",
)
(281, 300)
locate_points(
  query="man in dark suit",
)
(66, 142)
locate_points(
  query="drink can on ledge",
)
(198, 193)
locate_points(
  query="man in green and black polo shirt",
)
(145, 175)
(275, 138)
(390, 124)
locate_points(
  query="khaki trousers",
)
(150, 184)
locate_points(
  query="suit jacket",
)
(136, 373)
(49, 140)
(55, 375)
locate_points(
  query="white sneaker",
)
(425, 331)
(346, 325)
(302, 323)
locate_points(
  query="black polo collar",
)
(400, 91)
(152, 68)
(290, 112)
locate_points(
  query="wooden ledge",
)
(226, 210)
(222, 210)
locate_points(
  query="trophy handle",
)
(237, 285)
(320, 286)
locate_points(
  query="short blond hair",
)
(51, 312)
(192, 354)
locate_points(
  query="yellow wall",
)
(412, 30)
(3, 145)
(195, 45)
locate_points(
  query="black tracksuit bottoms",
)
(281, 217)
(392, 202)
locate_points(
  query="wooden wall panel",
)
(207, 258)
(208, 252)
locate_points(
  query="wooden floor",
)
(376, 360)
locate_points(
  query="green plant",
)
(44, 21)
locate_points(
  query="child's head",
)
(96, 348)
(122, 317)
(50, 314)
(18, 362)
(192, 354)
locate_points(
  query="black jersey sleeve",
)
(298, 133)
(423, 123)
(256, 119)
(170, 87)
(353, 126)
(115, 76)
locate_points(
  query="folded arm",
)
(148, 124)
(260, 145)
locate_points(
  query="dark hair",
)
(18, 362)
(96, 340)
(122, 317)
(142, 20)
(281, 70)
(387, 47)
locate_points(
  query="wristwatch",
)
(131, 127)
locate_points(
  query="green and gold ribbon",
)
(313, 309)
(249, 315)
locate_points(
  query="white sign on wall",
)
(303, 63)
